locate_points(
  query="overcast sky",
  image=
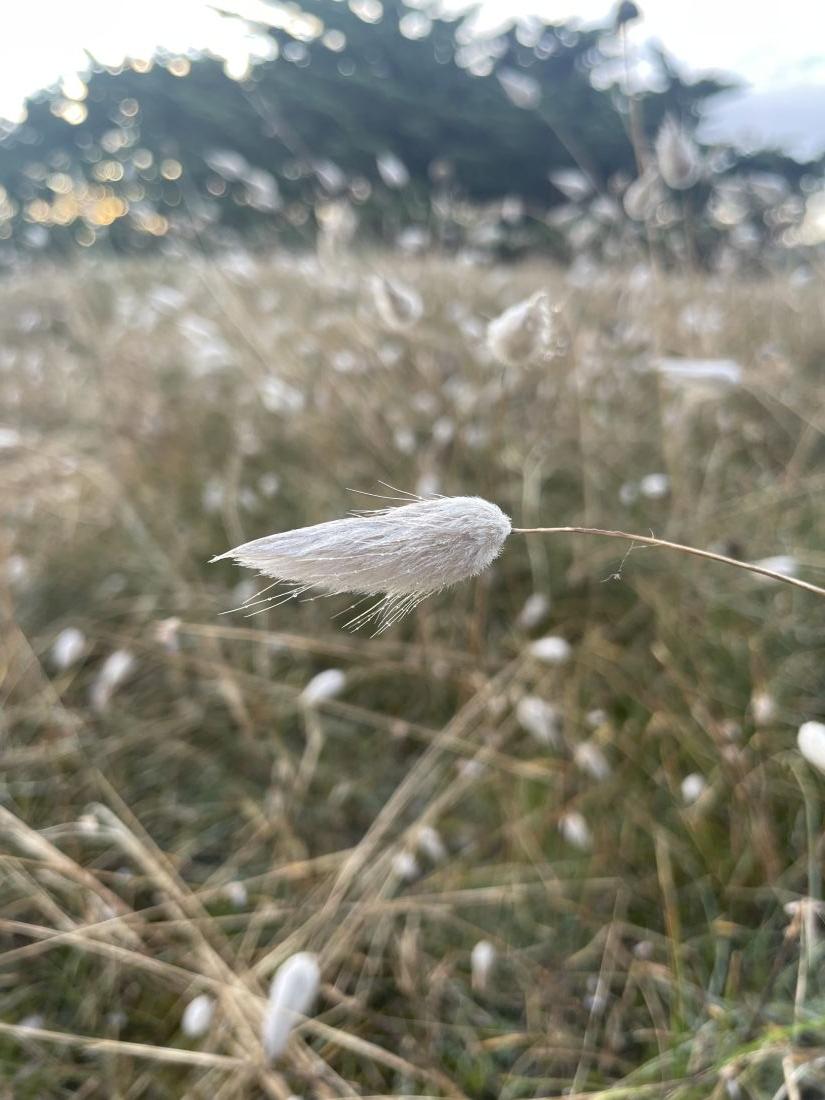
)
(777, 49)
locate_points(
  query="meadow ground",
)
(625, 818)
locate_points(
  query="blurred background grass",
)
(552, 834)
(183, 824)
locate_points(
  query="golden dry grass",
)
(160, 412)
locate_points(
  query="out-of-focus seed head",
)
(551, 649)
(575, 830)
(811, 742)
(540, 719)
(678, 158)
(398, 306)
(325, 685)
(523, 333)
(69, 646)
(291, 996)
(197, 1016)
(482, 960)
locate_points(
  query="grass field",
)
(628, 824)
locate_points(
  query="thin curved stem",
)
(649, 540)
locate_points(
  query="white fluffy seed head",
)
(540, 719)
(401, 554)
(811, 742)
(590, 758)
(324, 685)
(693, 787)
(428, 841)
(482, 959)
(197, 1016)
(575, 830)
(398, 306)
(763, 708)
(786, 564)
(405, 866)
(677, 156)
(522, 333)
(291, 996)
(114, 670)
(551, 649)
(236, 894)
(535, 610)
(69, 646)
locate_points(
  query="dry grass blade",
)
(117, 1046)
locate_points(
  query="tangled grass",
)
(585, 760)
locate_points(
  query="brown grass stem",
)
(666, 544)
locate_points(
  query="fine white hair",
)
(401, 554)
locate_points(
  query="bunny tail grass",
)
(401, 555)
(650, 540)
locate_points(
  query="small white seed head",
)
(677, 156)
(763, 708)
(551, 649)
(236, 894)
(523, 333)
(575, 830)
(114, 670)
(786, 564)
(197, 1016)
(540, 719)
(405, 866)
(291, 996)
(398, 306)
(811, 742)
(482, 960)
(69, 646)
(693, 787)
(325, 685)
(536, 609)
(428, 841)
(590, 758)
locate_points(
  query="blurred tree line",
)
(369, 116)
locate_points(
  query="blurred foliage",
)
(380, 117)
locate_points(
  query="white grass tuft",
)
(428, 841)
(114, 670)
(535, 610)
(575, 830)
(291, 996)
(325, 685)
(590, 758)
(523, 333)
(482, 960)
(197, 1016)
(69, 646)
(693, 787)
(398, 306)
(540, 719)
(551, 649)
(811, 742)
(677, 156)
